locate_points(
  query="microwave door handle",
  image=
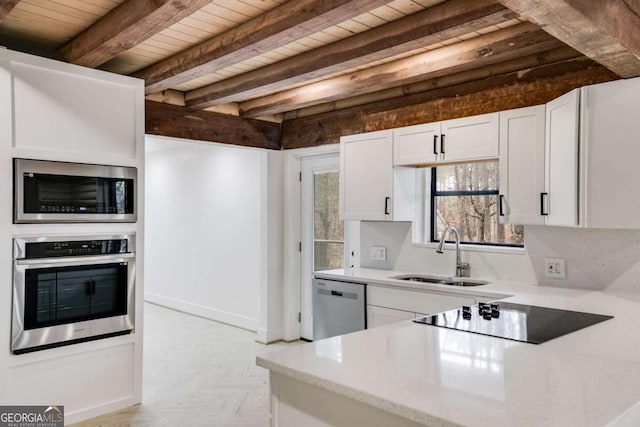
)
(66, 261)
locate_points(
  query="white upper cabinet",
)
(610, 154)
(560, 199)
(465, 139)
(65, 112)
(370, 187)
(416, 145)
(470, 138)
(570, 163)
(593, 155)
(521, 177)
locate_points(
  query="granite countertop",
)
(438, 376)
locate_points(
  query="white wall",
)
(595, 259)
(205, 229)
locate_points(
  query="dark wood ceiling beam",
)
(509, 43)
(291, 21)
(434, 25)
(182, 122)
(518, 64)
(606, 31)
(512, 90)
(129, 24)
(7, 6)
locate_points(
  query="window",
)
(328, 228)
(466, 196)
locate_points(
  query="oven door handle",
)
(65, 261)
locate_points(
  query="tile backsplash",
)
(595, 259)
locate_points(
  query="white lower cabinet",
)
(390, 305)
(380, 316)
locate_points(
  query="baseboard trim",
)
(96, 411)
(202, 311)
(264, 336)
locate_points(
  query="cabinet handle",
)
(435, 144)
(542, 200)
(442, 143)
(501, 200)
(386, 205)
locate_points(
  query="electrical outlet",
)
(555, 268)
(378, 253)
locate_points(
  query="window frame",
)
(433, 208)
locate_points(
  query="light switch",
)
(378, 253)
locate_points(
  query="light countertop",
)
(433, 375)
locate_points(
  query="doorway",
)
(322, 231)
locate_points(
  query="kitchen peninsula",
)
(408, 374)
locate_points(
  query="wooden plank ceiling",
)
(284, 60)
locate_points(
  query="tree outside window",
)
(466, 196)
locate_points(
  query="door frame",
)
(323, 163)
(293, 234)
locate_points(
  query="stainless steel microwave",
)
(51, 192)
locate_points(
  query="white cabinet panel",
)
(414, 145)
(415, 301)
(380, 316)
(111, 368)
(64, 112)
(610, 126)
(561, 165)
(522, 165)
(470, 138)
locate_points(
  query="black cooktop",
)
(519, 322)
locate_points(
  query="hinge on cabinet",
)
(299, 317)
(299, 246)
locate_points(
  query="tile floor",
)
(196, 372)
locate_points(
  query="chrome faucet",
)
(462, 268)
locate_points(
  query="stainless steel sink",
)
(451, 281)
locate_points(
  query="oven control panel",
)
(76, 248)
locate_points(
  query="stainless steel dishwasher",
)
(338, 308)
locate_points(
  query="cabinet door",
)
(609, 130)
(380, 316)
(521, 165)
(561, 165)
(470, 138)
(366, 175)
(416, 145)
(72, 113)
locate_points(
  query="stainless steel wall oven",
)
(50, 192)
(71, 289)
